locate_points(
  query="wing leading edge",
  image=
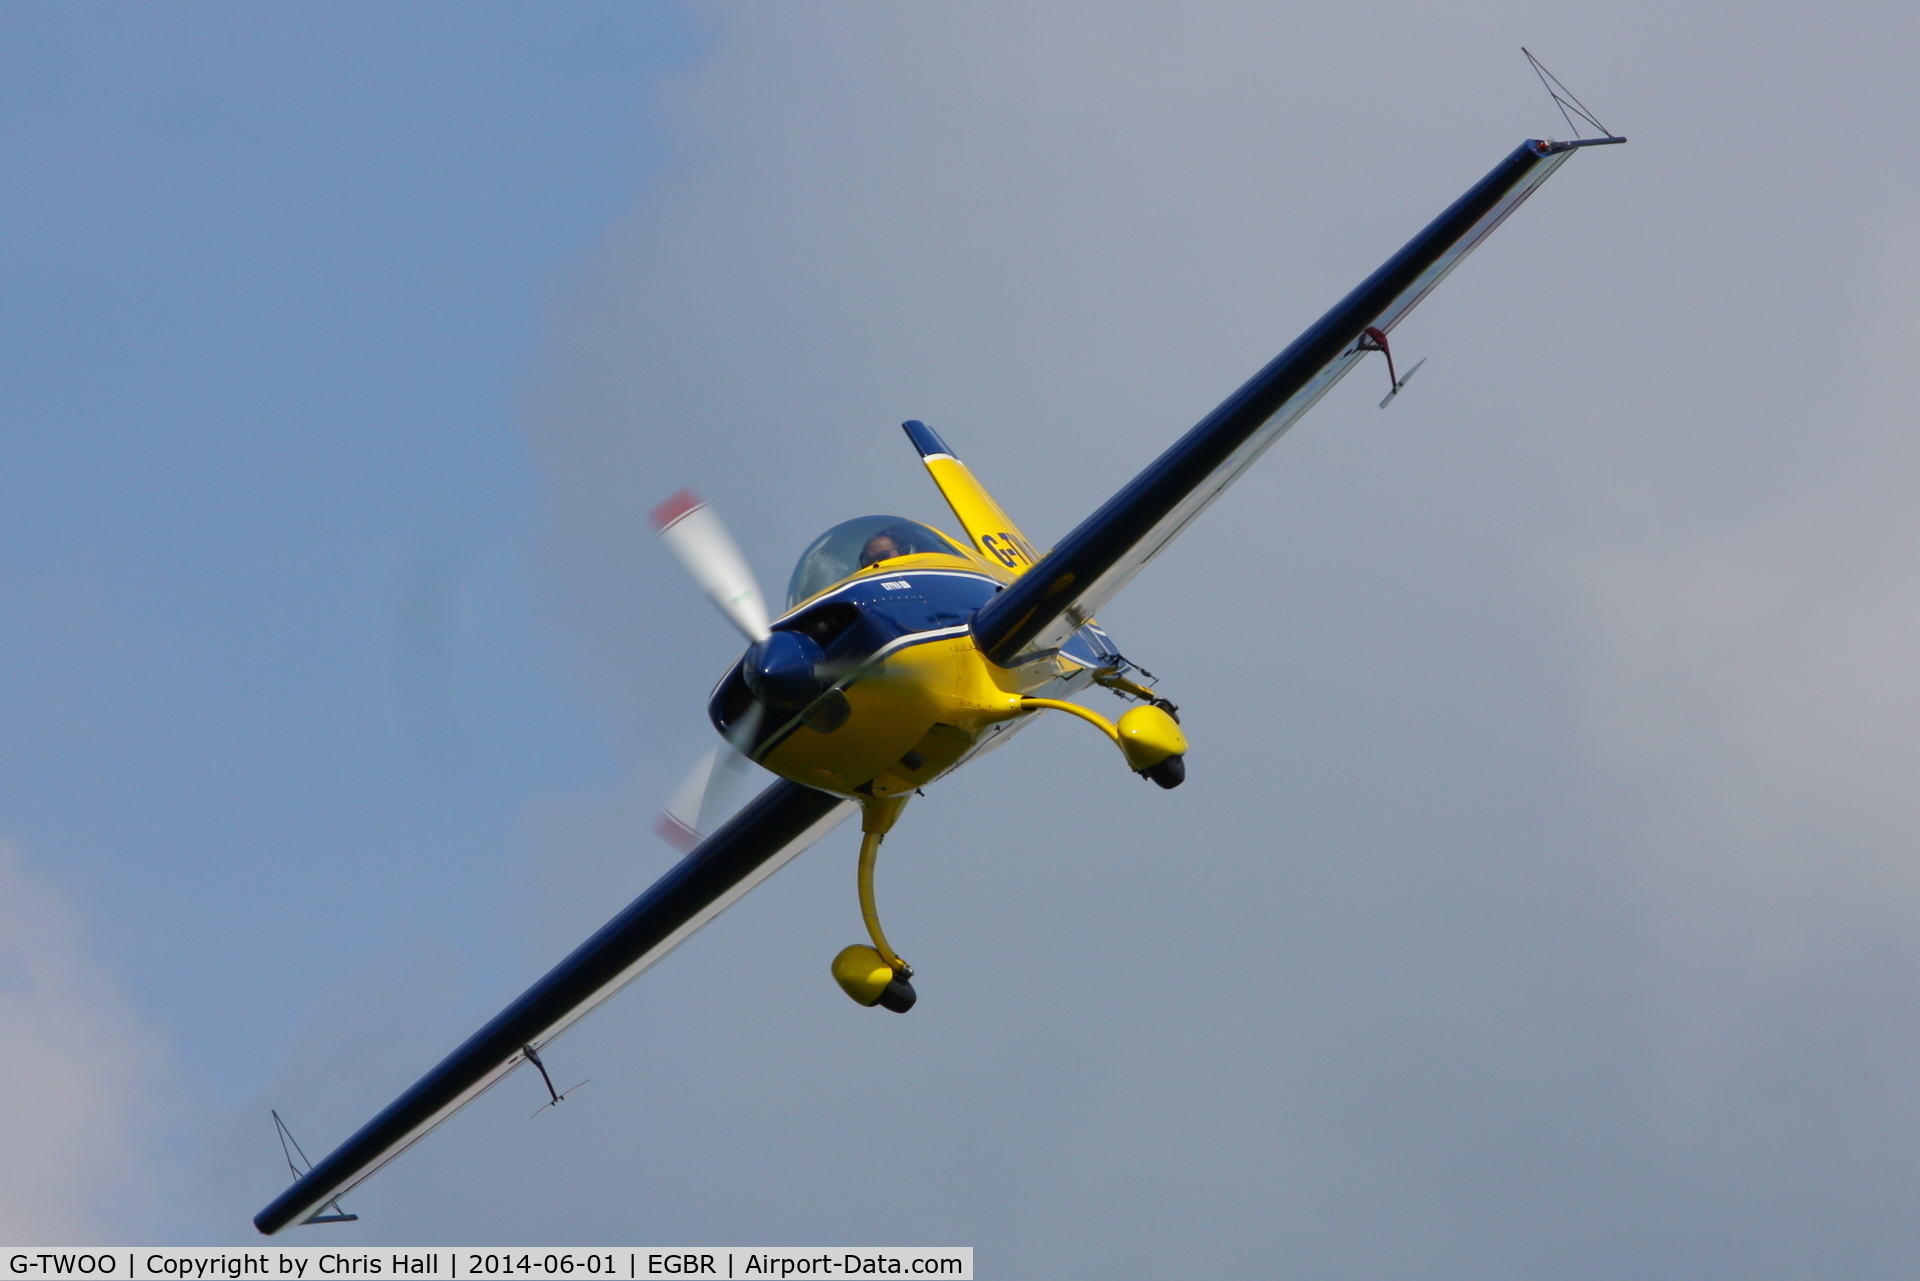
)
(1090, 565)
(777, 825)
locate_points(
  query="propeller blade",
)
(705, 799)
(694, 534)
(679, 823)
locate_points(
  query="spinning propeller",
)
(699, 540)
(694, 534)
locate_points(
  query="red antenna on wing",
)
(1375, 339)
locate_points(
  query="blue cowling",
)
(780, 669)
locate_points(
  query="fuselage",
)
(903, 693)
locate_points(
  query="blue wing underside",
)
(1038, 614)
(777, 825)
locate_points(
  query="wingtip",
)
(1551, 147)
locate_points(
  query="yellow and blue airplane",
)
(903, 652)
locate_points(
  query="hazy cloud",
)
(85, 1074)
(1540, 901)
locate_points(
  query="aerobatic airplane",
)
(901, 653)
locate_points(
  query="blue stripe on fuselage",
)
(896, 605)
(876, 615)
(853, 623)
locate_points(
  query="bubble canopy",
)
(852, 545)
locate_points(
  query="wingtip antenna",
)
(1569, 105)
(286, 1137)
(339, 1215)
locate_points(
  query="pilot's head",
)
(882, 546)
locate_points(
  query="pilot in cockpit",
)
(882, 546)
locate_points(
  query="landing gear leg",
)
(875, 975)
(1149, 737)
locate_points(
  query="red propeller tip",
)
(674, 508)
(675, 833)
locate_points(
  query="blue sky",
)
(276, 684)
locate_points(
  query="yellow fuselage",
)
(917, 708)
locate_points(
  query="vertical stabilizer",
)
(994, 536)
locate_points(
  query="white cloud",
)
(79, 1070)
(1754, 682)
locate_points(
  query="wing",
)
(1064, 590)
(777, 825)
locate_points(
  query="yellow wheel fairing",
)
(861, 973)
(1148, 736)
